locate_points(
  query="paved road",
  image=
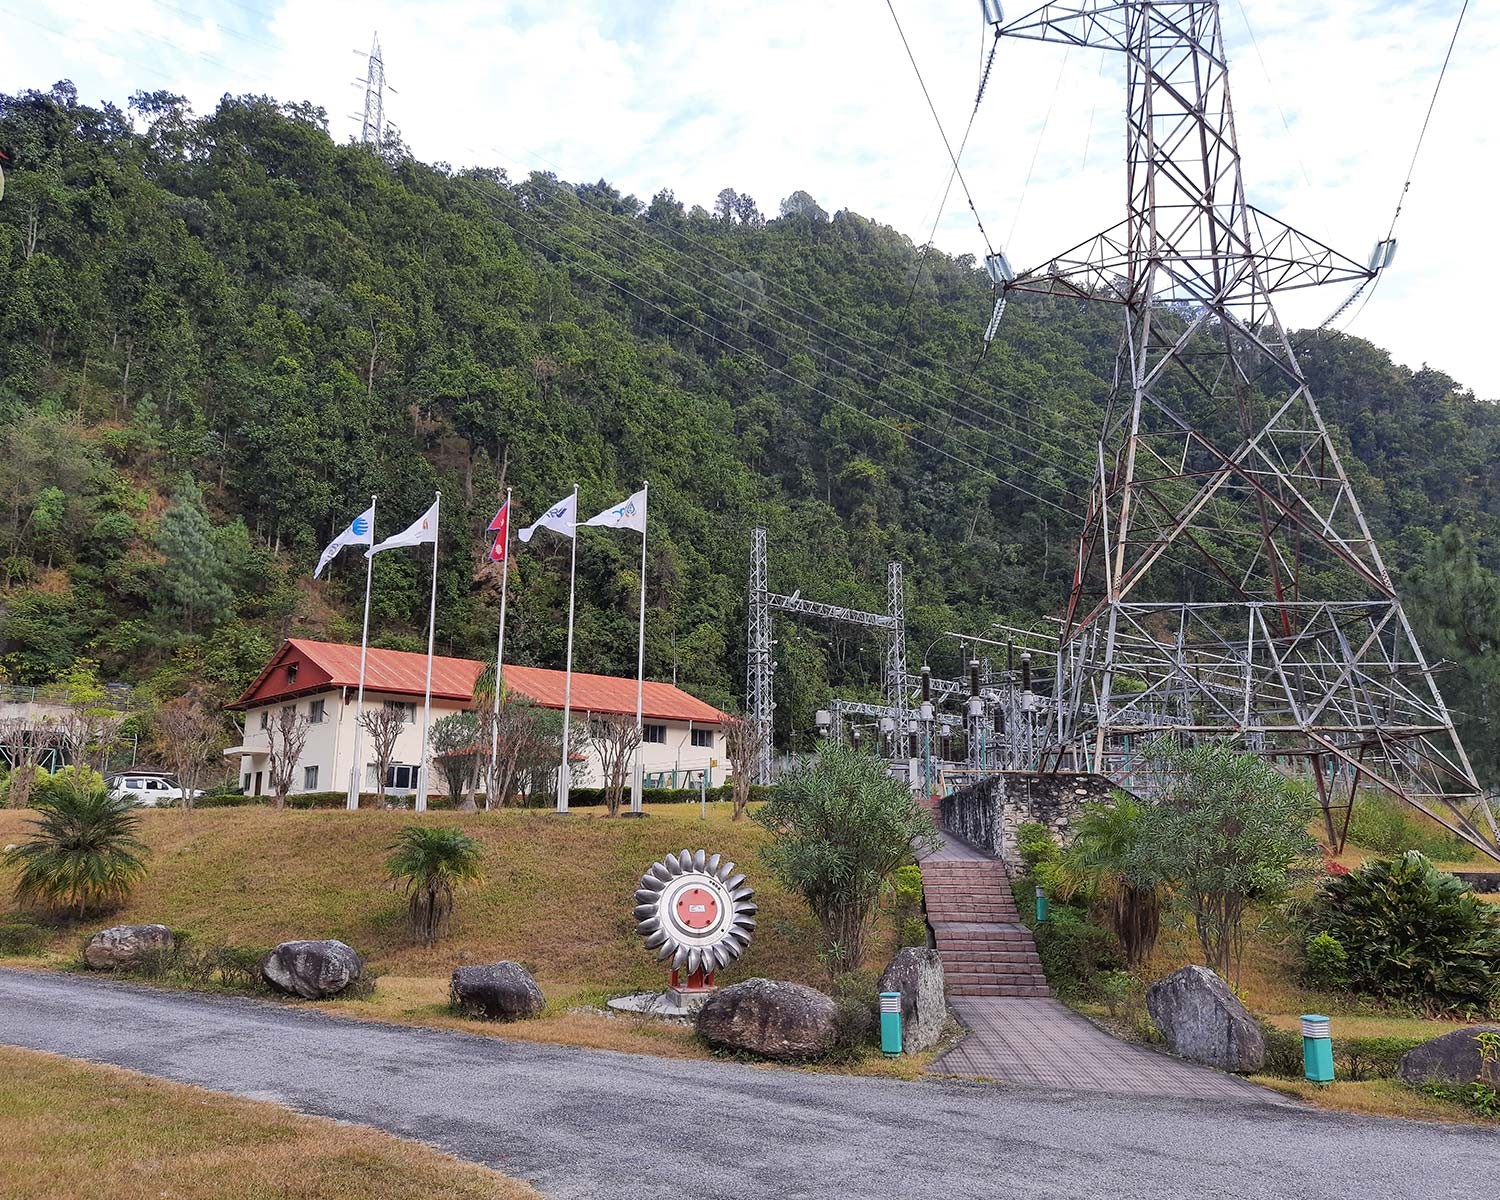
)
(581, 1123)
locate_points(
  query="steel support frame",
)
(1297, 646)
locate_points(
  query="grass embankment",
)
(557, 898)
(73, 1129)
(557, 894)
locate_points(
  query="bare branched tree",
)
(189, 733)
(287, 734)
(527, 740)
(90, 732)
(25, 743)
(383, 726)
(614, 737)
(743, 742)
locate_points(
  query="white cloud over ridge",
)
(771, 97)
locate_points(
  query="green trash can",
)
(1041, 905)
(890, 1023)
(1317, 1048)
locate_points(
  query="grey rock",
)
(1452, 1058)
(773, 1019)
(917, 973)
(502, 991)
(122, 947)
(1204, 1021)
(313, 970)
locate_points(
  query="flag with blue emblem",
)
(628, 514)
(359, 532)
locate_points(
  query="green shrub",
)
(857, 995)
(1074, 951)
(1414, 933)
(1479, 1098)
(1114, 988)
(1325, 963)
(1383, 823)
(1357, 1059)
(21, 937)
(1283, 1052)
(1035, 843)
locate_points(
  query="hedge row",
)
(1354, 1058)
(577, 798)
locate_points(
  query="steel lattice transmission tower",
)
(1216, 478)
(372, 128)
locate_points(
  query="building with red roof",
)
(320, 682)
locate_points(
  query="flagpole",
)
(364, 645)
(500, 656)
(637, 784)
(564, 773)
(422, 766)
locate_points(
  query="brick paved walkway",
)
(1018, 1033)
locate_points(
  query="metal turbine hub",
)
(696, 911)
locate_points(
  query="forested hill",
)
(220, 335)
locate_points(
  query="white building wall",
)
(674, 760)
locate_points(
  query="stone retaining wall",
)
(987, 813)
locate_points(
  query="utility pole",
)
(1214, 465)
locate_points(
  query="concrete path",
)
(582, 1123)
(1017, 1033)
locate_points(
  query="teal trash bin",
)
(890, 1022)
(1317, 1048)
(1041, 905)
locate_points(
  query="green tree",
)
(1228, 830)
(1100, 865)
(83, 853)
(428, 865)
(840, 828)
(196, 573)
(457, 752)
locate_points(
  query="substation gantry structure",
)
(999, 722)
(1227, 584)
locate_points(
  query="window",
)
(407, 709)
(133, 784)
(703, 737)
(309, 779)
(245, 784)
(265, 718)
(315, 712)
(402, 777)
(289, 710)
(653, 733)
(291, 672)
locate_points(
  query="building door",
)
(257, 783)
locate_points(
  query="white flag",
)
(423, 529)
(359, 532)
(628, 514)
(561, 518)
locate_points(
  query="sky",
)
(776, 96)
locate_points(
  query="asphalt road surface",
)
(585, 1123)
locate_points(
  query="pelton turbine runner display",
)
(697, 912)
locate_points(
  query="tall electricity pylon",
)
(373, 125)
(1227, 584)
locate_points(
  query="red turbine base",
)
(697, 981)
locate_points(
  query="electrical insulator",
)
(1026, 670)
(926, 683)
(993, 13)
(973, 677)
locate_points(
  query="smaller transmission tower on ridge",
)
(372, 128)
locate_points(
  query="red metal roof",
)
(323, 665)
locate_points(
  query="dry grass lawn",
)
(1375, 1098)
(557, 896)
(69, 1130)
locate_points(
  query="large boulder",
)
(312, 970)
(770, 1018)
(502, 991)
(1453, 1058)
(1204, 1021)
(917, 973)
(121, 947)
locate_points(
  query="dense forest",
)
(219, 335)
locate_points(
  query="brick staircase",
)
(986, 950)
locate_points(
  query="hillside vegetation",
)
(220, 334)
(557, 893)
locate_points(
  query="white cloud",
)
(775, 96)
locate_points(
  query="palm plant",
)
(83, 854)
(1097, 865)
(429, 865)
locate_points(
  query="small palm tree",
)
(428, 865)
(1099, 866)
(84, 854)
